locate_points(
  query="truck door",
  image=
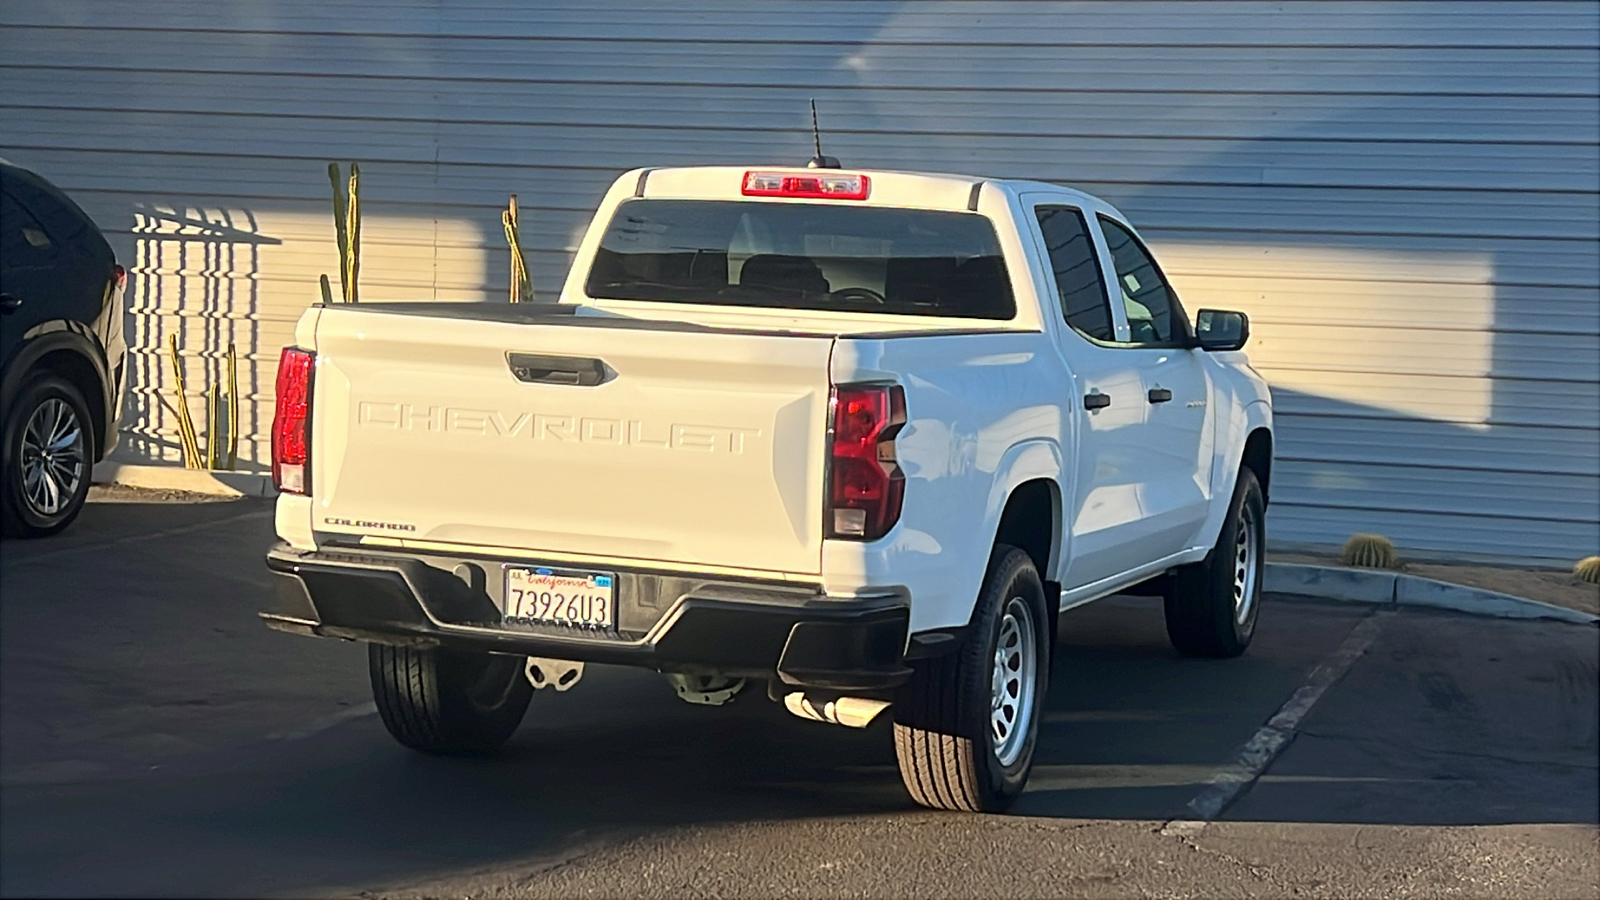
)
(1178, 431)
(1140, 394)
(1104, 514)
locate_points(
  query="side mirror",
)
(1221, 329)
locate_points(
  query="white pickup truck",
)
(859, 436)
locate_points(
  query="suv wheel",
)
(1212, 606)
(46, 458)
(439, 700)
(966, 723)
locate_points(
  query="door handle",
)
(1096, 401)
(537, 368)
(1159, 395)
(8, 303)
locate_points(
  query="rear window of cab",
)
(813, 256)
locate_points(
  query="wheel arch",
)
(72, 356)
(1258, 458)
(1250, 431)
(1025, 504)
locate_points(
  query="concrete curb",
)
(1396, 589)
(173, 478)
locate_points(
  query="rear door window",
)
(1079, 282)
(855, 259)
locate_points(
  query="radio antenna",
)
(819, 161)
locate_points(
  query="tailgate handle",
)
(537, 368)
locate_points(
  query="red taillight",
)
(817, 185)
(865, 484)
(119, 275)
(291, 422)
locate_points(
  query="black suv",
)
(61, 353)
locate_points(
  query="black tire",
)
(61, 471)
(1212, 606)
(944, 737)
(439, 700)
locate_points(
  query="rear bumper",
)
(754, 629)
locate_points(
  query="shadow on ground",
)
(137, 655)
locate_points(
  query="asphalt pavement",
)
(155, 739)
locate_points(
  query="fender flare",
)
(1034, 459)
(1257, 414)
(50, 337)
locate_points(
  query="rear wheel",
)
(966, 723)
(439, 700)
(1212, 606)
(46, 458)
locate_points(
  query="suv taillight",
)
(291, 422)
(865, 484)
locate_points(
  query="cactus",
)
(347, 231)
(521, 287)
(353, 211)
(233, 406)
(341, 233)
(222, 410)
(222, 415)
(1370, 551)
(186, 434)
(1587, 570)
(213, 417)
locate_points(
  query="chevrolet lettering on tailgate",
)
(553, 427)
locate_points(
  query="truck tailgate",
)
(700, 448)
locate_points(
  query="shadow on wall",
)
(221, 269)
(1429, 393)
(194, 274)
(1411, 226)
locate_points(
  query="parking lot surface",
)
(156, 739)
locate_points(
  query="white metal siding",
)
(1404, 196)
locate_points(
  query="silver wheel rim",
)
(1246, 547)
(1011, 687)
(52, 457)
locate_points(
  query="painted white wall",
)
(1403, 196)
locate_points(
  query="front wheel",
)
(439, 700)
(47, 457)
(1212, 606)
(966, 723)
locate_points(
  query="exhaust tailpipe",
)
(852, 712)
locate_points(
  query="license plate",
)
(540, 596)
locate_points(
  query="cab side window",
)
(1077, 270)
(1154, 316)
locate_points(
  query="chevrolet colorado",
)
(860, 436)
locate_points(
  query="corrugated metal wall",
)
(1404, 196)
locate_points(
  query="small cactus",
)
(1587, 570)
(221, 451)
(521, 287)
(233, 406)
(1370, 551)
(186, 433)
